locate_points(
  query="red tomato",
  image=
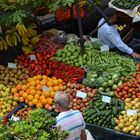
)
(126, 88)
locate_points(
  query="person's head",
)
(111, 13)
(62, 101)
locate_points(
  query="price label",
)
(45, 88)
(104, 48)
(12, 65)
(106, 99)
(32, 57)
(139, 88)
(15, 118)
(131, 112)
(81, 94)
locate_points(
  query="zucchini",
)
(97, 110)
(108, 113)
(92, 111)
(114, 111)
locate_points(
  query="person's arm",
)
(116, 40)
(83, 135)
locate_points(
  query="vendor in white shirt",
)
(110, 36)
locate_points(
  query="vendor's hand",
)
(135, 55)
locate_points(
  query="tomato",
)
(124, 92)
(134, 96)
(126, 88)
(125, 96)
(118, 89)
(134, 92)
(137, 94)
(130, 90)
(120, 93)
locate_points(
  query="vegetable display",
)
(126, 4)
(127, 121)
(66, 72)
(38, 126)
(78, 102)
(102, 113)
(129, 89)
(96, 60)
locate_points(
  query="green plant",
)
(38, 126)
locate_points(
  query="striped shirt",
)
(73, 122)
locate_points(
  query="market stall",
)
(36, 62)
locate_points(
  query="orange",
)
(39, 105)
(37, 82)
(27, 91)
(39, 77)
(30, 97)
(24, 95)
(48, 107)
(56, 88)
(19, 87)
(28, 85)
(35, 101)
(43, 82)
(24, 87)
(32, 92)
(32, 87)
(49, 100)
(46, 93)
(21, 99)
(31, 104)
(52, 94)
(36, 96)
(42, 97)
(49, 83)
(60, 80)
(38, 86)
(33, 83)
(26, 101)
(51, 89)
(43, 101)
(21, 93)
(13, 90)
(29, 79)
(38, 92)
(55, 82)
(54, 78)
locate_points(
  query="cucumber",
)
(114, 111)
(103, 106)
(92, 111)
(93, 117)
(97, 110)
(108, 113)
(121, 105)
(113, 121)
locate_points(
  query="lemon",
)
(131, 127)
(133, 132)
(125, 130)
(127, 124)
(121, 125)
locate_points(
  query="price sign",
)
(106, 99)
(12, 65)
(15, 118)
(104, 48)
(81, 94)
(32, 57)
(45, 88)
(131, 112)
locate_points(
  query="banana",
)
(8, 40)
(5, 47)
(1, 46)
(21, 29)
(25, 40)
(34, 40)
(18, 37)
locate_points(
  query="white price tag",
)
(15, 118)
(12, 65)
(81, 94)
(104, 48)
(45, 88)
(131, 112)
(106, 99)
(32, 57)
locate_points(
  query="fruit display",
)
(95, 60)
(126, 4)
(127, 121)
(19, 35)
(106, 83)
(120, 27)
(38, 126)
(102, 113)
(38, 65)
(23, 113)
(129, 89)
(7, 101)
(10, 77)
(38, 91)
(79, 102)
(65, 72)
